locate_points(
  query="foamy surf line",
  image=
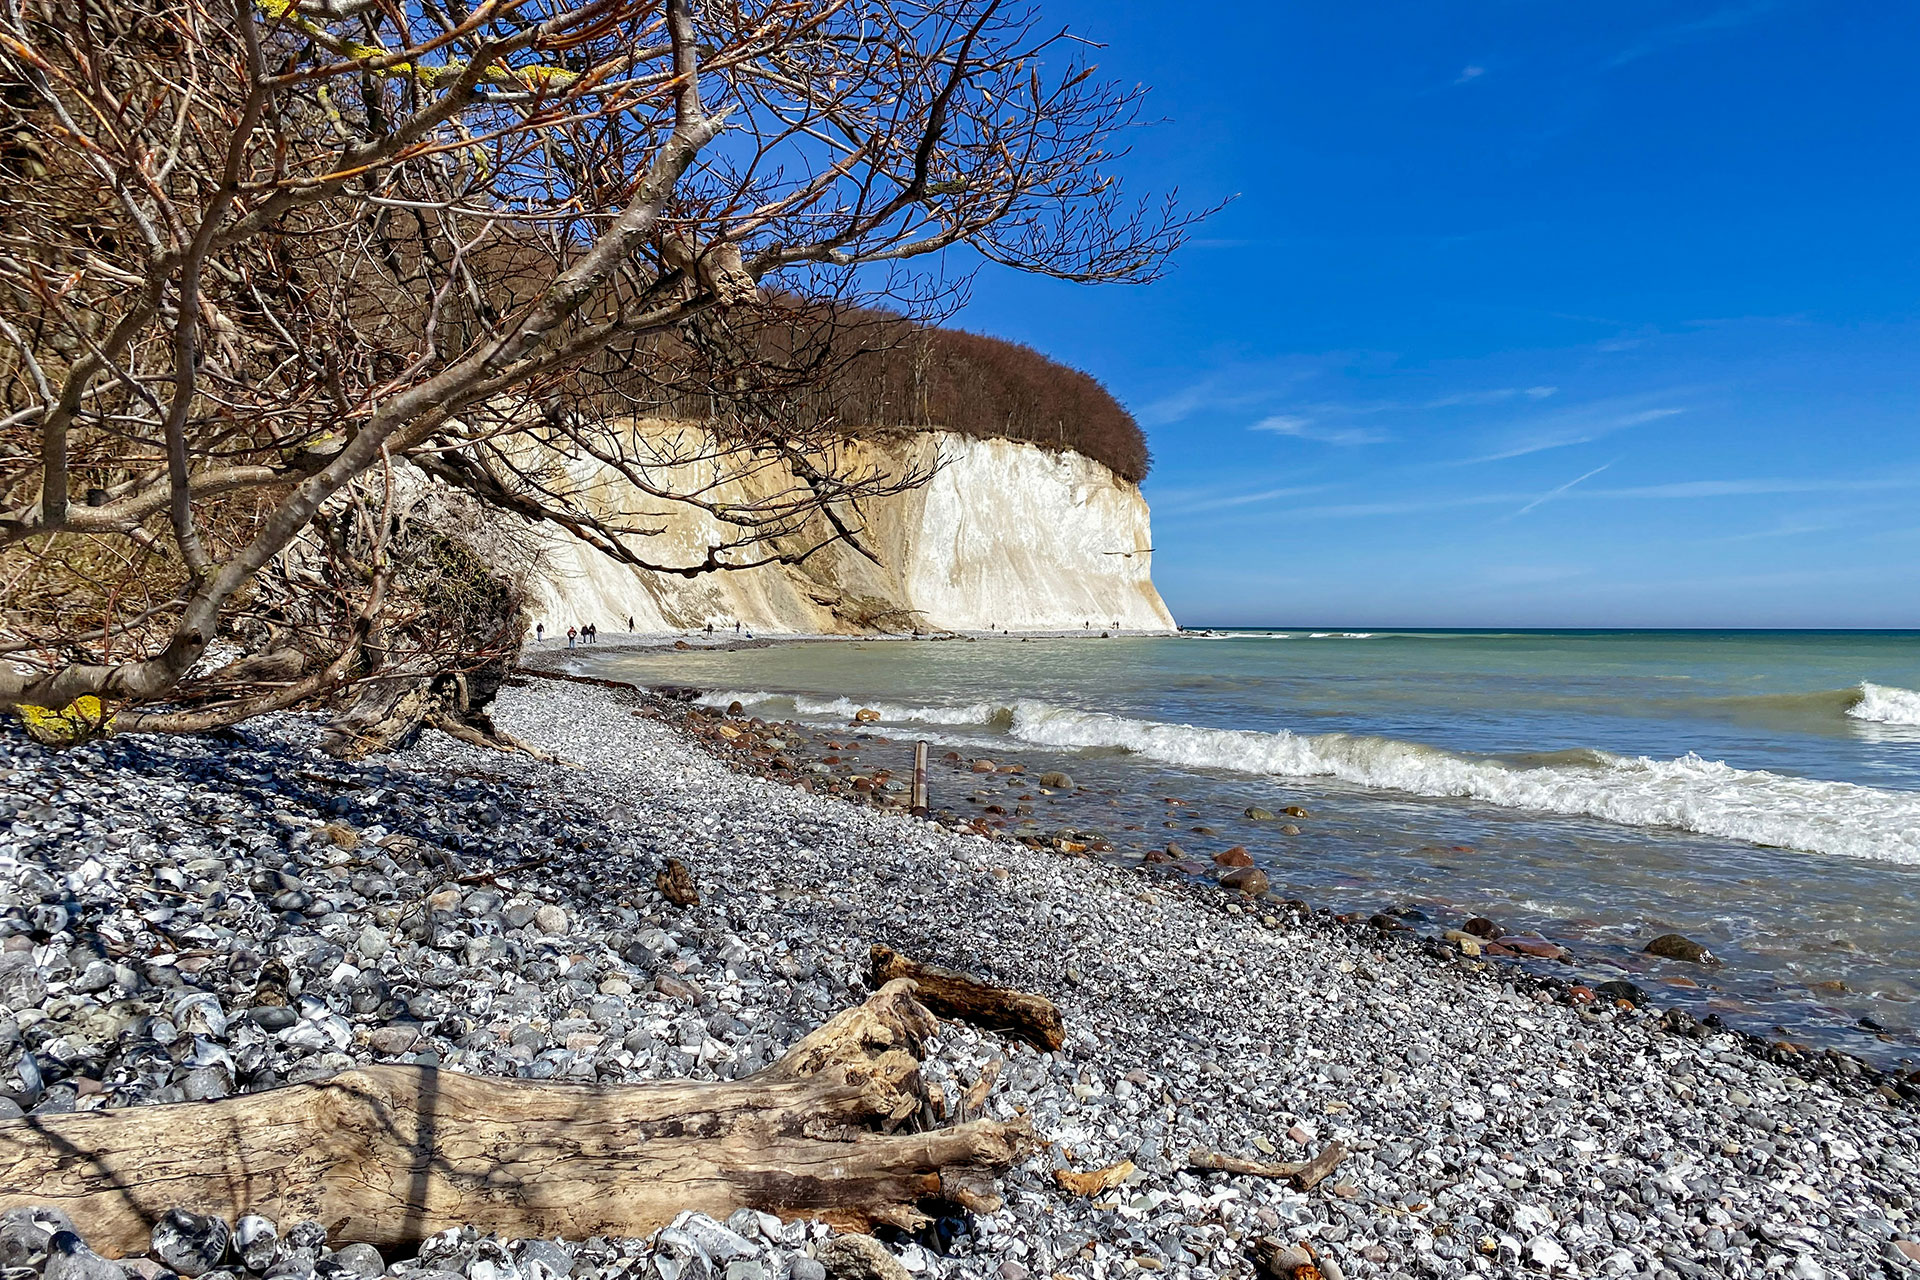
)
(1884, 704)
(980, 713)
(1689, 794)
(1692, 794)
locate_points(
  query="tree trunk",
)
(389, 1155)
(386, 714)
(952, 994)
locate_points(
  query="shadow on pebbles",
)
(188, 918)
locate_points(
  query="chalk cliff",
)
(1005, 534)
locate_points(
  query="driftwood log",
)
(389, 1155)
(1305, 1176)
(953, 994)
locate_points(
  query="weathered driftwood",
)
(1305, 1175)
(390, 1155)
(1093, 1181)
(953, 994)
(676, 884)
(384, 715)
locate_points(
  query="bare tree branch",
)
(263, 260)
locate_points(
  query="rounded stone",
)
(1251, 881)
(360, 1260)
(1674, 946)
(190, 1243)
(255, 1239)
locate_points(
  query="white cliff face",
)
(1014, 536)
(1005, 534)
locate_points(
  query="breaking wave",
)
(1689, 793)
(980, 713)
(1884, 704)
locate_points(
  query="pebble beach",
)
(184, 919)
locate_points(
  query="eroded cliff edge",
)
(1005, 534)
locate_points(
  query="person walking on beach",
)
(736, 626)
(570, 637)
(539, 632)
(629, 624)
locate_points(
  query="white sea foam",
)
(1689, 793)
(980, 713)
(745, 697)
(895, 713)
(1885, 704)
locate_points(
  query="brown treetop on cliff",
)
(989, 387)
(874, 372)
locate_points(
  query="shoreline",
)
(1470, 955)
(1490, 1129)
(1579, 966)
(552, 649)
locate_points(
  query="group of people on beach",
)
(587, 632)
(584, 633)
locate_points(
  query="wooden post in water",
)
(919, 795)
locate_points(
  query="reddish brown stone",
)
(1248, 880)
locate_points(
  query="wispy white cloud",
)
(1231, 390)
(1469, 74)
(1752, 486)
(1495, 395)
(1551, 494)
(1787, 529)
(1299, 428)
(1202, 502)
(1727, 18)
(1405, 506)
(1579, 424)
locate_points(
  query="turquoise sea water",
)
(1757, 790)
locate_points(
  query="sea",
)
(1756, 791)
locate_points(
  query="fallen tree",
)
(389, 1155)
(269, 262)
(950, 993)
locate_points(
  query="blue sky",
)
(1526, 314)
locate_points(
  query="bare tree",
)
(260, 260)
